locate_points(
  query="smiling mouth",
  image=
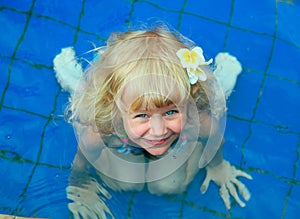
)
(157, 142)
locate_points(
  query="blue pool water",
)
(263, 127)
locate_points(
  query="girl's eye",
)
(171, 112)
(142, 116)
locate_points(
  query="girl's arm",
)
(221, 171)
(209, 128)
(85, 192)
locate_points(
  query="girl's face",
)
(155, 130)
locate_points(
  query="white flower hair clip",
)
(192, 60)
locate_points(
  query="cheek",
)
(135, 130)
(176, 125)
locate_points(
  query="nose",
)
(157, 125)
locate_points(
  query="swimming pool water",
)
(262, 134)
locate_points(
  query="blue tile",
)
(24, 6)
(43, 40)
(209, 35)
(259, 16)
(100, 15)
(160, 207)
(267, 198)
(20, 134)
(46, 194)
(280, 104)
(271, 150)
(4, 63)
(203, 205)
(58, 10)
(62, 102)
(217, 10)
(167, 5)
(285, 65)
(288, 22)
(194, 211)
(293, 203)
(242, 101)
(147, 15)
(59, 144)
(252, 50)
(119, 204)
(12, 27)
(86, 42)
(235, 133)
(31, 88)
(12, 184)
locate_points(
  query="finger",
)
(103, 191)
(243, 174)
(101, 208)
(225, 196)
(242, 189)
(205, 184)
(74, 209)
(87, 213)
(234, 194)
(102, 214)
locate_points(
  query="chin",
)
(157, 151)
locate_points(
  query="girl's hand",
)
(86, 201)
(225, 176)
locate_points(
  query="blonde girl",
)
(148, 114)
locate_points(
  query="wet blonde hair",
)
(147, 59)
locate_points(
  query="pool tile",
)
(209, 9)
(267, 198)
(194, 211)
(87, 42)
(57, 10)
(286, 65)
(12, 27)
(26, 4)
(4, 63)
(46, 194)
(21, 140)
(12, 184)
(288, 22)
(250, 14)
(43, 40)
(59, 144)
(104, 16)
(31, 88)
(174, 5)
(235, 133)
(147, 15)
(271, 150)
(145, 201)
(280, 104)
(121, 204)
(206, 34)
(198, 205)
(293, 203)
(252, 50)
(242, 100)
(62, 102)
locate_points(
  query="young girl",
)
(148, 114)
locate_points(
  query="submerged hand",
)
(225, 176)
(87, 203)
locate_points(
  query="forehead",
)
(157, 89)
